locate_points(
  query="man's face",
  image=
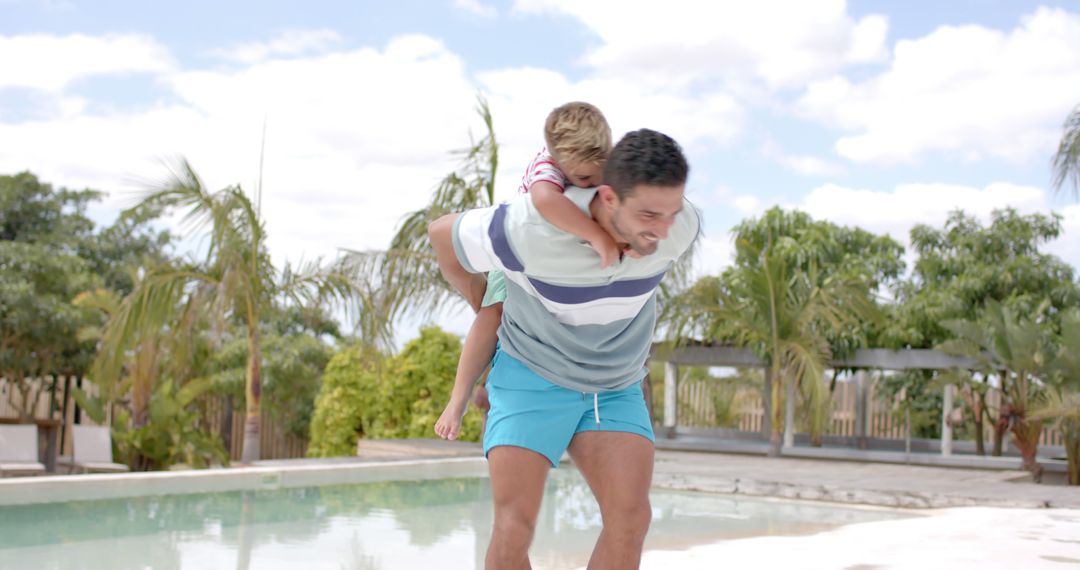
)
(646, 215)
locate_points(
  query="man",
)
(573, 342)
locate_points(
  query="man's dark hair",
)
(645, 157)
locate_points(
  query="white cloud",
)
(354, 140)
(895, 212)
(803, 164)
(289, 43)
(476, 8)
(747, 205)
(714, 254)
(520, 109)
(781, 42)
(50, 63)
(969, 92)
(1066, 246)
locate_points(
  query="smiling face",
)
(644, 217)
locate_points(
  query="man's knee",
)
(632, 518)
(513, 528)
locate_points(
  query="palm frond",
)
(1066, 161)
(405, 279)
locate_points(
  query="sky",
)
(870, 113)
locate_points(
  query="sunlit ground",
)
(977, 538)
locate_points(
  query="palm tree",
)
(1014, 349)
(141, 360)
(235, 282)
(406, 277)
(1062, 397)
(783, 314)
(1066, 162)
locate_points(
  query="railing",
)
(697, 409)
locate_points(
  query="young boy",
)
(578, 141)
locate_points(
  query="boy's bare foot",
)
(449, 424)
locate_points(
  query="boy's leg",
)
(480, 395)
(475, 356)
(479, 347)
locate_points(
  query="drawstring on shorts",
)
(596, 406)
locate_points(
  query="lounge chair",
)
(91, 448)
(19, 450)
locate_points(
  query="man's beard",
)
(636, 241)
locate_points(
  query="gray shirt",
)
(573, 323)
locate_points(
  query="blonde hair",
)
(577, 133)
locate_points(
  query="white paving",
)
(972, 537)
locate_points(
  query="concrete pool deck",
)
(879, 484)
(1006, 520)
(846, 482)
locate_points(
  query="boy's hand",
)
(604, 245)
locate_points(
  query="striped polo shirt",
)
(573, 323)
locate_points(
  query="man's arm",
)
(470, 285)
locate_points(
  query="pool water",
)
(396, 525)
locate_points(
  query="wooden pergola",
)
(862, 360)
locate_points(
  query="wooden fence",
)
(698, 402)
(697, 408)
(275, 441)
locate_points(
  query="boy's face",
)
(584, 175)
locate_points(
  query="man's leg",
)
(517, 487)
(618, 467)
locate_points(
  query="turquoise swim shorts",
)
(528, 411)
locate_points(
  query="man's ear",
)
(608, 197)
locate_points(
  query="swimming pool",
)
(354, 519)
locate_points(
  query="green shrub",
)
(365, 395)
(349, 390)
(418, 388)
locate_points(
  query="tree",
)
(413, 388)
(346, 401)
(38, 323)
(1014, 348)
(1061, 402)
(51, 252)
(297, 345)
(406, 277)
(778, 301)
(366, 394)
(781, 317)
(960, 268)
(235, 282)
(963, 265)
(1066, 162)
(806, 244)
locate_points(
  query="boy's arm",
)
(563, 214)
(470, 285)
